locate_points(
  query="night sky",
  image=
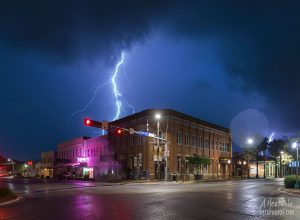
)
(209, 59)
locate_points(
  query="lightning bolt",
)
(116, 92)
(271, 137)
(91, 100)
(115, 88)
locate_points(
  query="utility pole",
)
(166, 154)
(157, 141)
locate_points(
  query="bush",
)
(289, 181)
(6, 194)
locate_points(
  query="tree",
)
(275, 148)
(196, 161)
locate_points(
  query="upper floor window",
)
(187, 139)
(206, 143)
(194, 140)
(179, 137)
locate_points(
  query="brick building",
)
(186, 136)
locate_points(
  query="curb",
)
(12, 201)
(289, 192)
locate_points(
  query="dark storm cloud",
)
(75, 29)
(259, 48)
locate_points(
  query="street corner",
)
(294, 192)
(13, 201)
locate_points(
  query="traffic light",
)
(87, 121)
(119, 131)
(97, 124)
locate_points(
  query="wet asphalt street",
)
(236, 199)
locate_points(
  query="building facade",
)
(186, 136)
(48, 160)
(86, 157)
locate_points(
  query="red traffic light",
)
(87, 121)
(97, 124)
(119, 131)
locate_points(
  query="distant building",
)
(86, 157)
(269, 165)
(48, 160)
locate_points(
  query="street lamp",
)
(295, 145)
(157, 116)
(229, 168)
(12, 164)
(249, 142)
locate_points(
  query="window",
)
(76, 153)
(131, 140)
(187, 139)
(88, 152)
(140, 139)
(194, 140)
(178, 163)
(179, 137)
(206, 143)
(200, 141)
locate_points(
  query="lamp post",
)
(229, 168)
(12, 164)
(295, 145)
(264, 154)
(280, 164)
(244, 163)
(157, 116)
(249, 142)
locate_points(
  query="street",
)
(239, 199)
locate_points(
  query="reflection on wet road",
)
(243, 199)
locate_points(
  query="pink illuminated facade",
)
(86, 157)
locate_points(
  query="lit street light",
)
(250, 141)
(12, 165)
(295, 145)
(229, 168)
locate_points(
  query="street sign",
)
(104, 125)
(166, 153)
(147, 134)
(131, 131)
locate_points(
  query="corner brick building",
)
(185, 135)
